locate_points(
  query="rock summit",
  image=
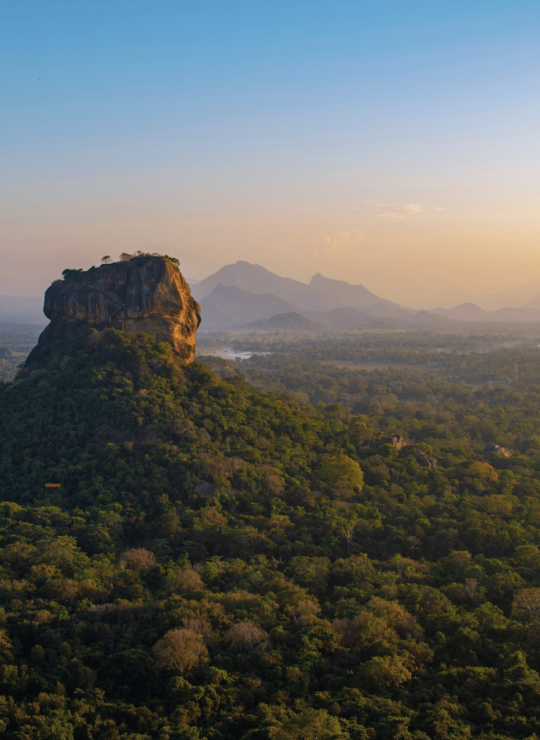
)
(144, 293)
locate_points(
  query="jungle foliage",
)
(222, 562)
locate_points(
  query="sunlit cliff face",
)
(145, 294)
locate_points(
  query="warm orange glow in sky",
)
(391, 144)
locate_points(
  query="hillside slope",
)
(186, 557)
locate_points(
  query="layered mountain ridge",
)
(242, 294)
(321, 294)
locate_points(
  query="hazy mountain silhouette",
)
(339, 294)
(252, 278)
(321, 294)
(244, 306)
(244, 293)
(346, 319)
(213, 317)
(286, 322)
(431, 319)
(463, 312)
(342, 318)
(509, 314)
(472, 312)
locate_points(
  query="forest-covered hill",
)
(220, 562)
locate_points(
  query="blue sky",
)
(321, 136)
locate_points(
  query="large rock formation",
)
(143, 294)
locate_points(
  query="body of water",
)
(228, 353)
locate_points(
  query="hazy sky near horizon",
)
(382, 142)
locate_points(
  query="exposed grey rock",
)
(493, 449)
(204, 489)
(425, 460)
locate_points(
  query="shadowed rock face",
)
(146, 294)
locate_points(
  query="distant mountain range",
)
(321, 294)
(472, 312)
(243, 306)
(241, 295)
(286, 322)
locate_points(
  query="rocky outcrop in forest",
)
(144, 294)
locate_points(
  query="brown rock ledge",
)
(143, 294)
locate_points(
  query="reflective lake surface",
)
(228, 353)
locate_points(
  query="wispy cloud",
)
(397, 211)
(388, 210)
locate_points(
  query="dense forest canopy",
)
(218, 560)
